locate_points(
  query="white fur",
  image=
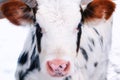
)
(59, 20)
(100, 54)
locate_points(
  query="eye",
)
(39, 28)
(79, 26)
(39, 35)
(78, 36)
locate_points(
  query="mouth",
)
(58, 74)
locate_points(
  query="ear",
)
(17, 12)
(1, 2)
(99, 9)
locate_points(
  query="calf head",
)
(60, 23)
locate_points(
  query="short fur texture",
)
(54, 35)
(30, 3)
(17, 12)
(98, 9)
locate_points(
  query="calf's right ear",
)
(17, 12)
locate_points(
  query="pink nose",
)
(58, 68)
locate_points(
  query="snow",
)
(114, 58)
(12, 40)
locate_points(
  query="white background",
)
(12, 39)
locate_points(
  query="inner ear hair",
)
(98, 9)
(17, 12)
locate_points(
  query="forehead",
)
(58, 14)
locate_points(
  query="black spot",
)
(39, 36)
(35, 8)
(33, 38)
(35, 63)
(101, 40)
(90, 48)
(68, 78)
(84, 53)
(95, 64)
(92, 41)
(33, 53)
(23, 58)
(96, 31)
(21, 75)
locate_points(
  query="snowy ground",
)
(12, 39)
(114, 65)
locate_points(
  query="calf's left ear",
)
(98, 9)
(17, 12)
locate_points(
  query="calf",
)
(65, 42)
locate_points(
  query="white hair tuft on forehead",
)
(56, 13)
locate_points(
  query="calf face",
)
(60, 36)
(60, 29)
(60, 25)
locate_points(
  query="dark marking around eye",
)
(39, 36)
(78, 37)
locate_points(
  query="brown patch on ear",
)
(17, 12)
(98, 9)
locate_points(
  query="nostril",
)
(57, 67)
(67, 66)
(64, 67)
